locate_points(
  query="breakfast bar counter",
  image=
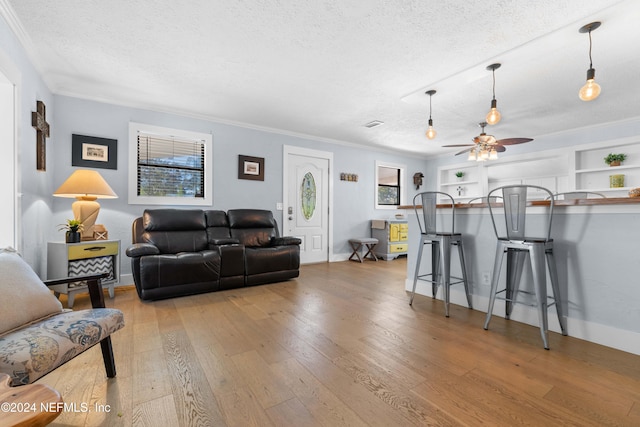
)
(597, 249)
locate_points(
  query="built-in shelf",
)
(577, 168)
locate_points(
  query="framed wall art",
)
(94, 152)
(251, 168)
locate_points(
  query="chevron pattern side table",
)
(77, 259)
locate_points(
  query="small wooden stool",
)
(356, 245)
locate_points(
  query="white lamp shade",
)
(86, 184)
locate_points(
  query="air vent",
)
(374, 124)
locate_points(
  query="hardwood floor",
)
(340, 346)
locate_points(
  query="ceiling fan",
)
(486, 147)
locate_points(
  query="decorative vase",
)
(72, 237)
(616, 181)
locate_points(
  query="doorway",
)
(8, 171)
(307, 201)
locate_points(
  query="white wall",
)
(34, 188)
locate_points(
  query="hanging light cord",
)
(590, 60)
(494, 84)
(430, 96)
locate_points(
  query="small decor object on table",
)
(100, 232)
(459, 175)
(634, 192)
(616, 181)
(73, 227)
(615, 159)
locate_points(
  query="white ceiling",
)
(325, 68)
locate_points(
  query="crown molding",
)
(16, 27)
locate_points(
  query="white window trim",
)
(403, 184)
(134, 199)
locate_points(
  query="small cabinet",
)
(393, 238)
(81, 259)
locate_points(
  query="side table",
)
(84, 258)
(28, 405)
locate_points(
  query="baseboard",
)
(125, 280)
(619, 339)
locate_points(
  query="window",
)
(169, 166)
(390, 191)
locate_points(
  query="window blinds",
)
(170, 167)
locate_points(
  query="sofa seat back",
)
(174, 230)
(254, 228)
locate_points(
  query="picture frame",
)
(251, 168)
(94, 152)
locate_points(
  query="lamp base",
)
(86, 210)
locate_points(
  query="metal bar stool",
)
(517, 245)
(441, 243)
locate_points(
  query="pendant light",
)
(431, 132)
(493, 116)
(591, 89)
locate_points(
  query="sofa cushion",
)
(24, 297)
(173, 220)
(175, 230)
(167, 270)
(28, 353)
(218, 228)
(252, 227)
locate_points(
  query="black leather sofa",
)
(179, 252)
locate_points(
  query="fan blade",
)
(464, 151)
(514, 141)
(499, 148)
(459, 145)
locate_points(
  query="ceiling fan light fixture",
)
(472, 155)
(431, 132)
(493, 116)
(493, 154)
(591, 89)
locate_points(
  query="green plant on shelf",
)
(459, 174)
(615, 159)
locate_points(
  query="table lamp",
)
(86, 186)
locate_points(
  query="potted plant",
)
(459, 175)
(615, 159)
(73, 227)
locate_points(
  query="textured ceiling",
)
(326, 68)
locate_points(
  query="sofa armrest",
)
(93, 283)
(227, 241)
(284, 241)
(140, 249)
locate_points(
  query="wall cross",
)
(39, 121)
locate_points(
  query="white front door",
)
(306, 202)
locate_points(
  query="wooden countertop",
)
(558, 203)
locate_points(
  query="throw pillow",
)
(23, 296)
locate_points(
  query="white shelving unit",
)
(464, 189)
(592, 173)
(577, 168)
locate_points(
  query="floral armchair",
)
(36, 334)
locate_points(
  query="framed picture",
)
(251, 168)
(93, 152)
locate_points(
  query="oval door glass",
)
(308, 195)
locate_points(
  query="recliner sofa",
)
(178, 252)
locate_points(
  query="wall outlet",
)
(279, 206)
(486, 277)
